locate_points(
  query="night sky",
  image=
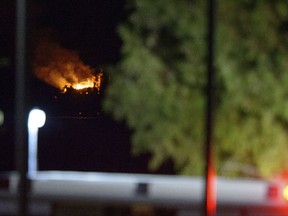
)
(93, 141)
(88, 26)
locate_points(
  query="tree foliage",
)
(158, 87)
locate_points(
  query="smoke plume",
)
(59, 66)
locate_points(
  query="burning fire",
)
(84, 84)
(92, 82)
(63, 68)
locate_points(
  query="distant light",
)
(285, 192)
(36, 119)
(1, 117)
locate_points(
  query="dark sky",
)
(66, 142)
(88, 26)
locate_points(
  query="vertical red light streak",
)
(211, 191)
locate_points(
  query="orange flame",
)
(63, 68)
(93, 82)
(84, 84)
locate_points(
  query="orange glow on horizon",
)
(63, 68)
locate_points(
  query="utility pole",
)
(210, 178)
(20, 107)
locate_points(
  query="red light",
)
(211, 192)
(272, 192)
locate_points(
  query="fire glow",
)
(83, 85)
(93, 82)
(63, 68)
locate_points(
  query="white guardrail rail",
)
(183, 193)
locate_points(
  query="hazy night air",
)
(122, 84)
(86, 41)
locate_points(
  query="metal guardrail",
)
(180, 193)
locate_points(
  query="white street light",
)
(36, 120)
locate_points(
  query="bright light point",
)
(285, 192)
(36, 119)
(1, 117)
